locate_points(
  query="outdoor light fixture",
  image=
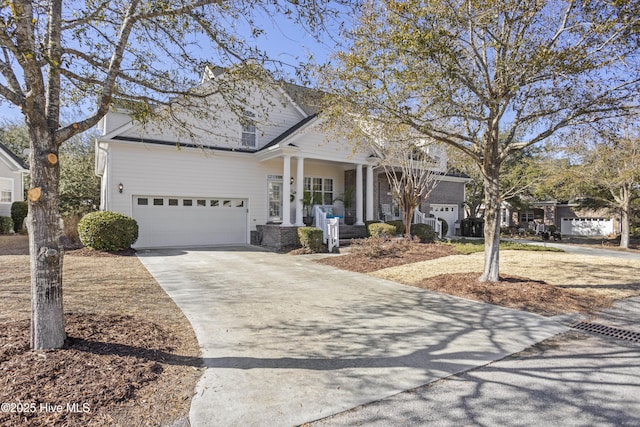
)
(120, 187)
(291, 181)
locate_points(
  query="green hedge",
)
(424, 232)
(6, 225)
(19, 211)
(107, 231)
(311, 238)
(382, 230)
(399, 225)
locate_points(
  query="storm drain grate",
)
(608, 331)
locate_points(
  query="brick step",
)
(348, 232)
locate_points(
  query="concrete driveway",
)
(287, 341)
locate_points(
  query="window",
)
(215, 203)
(320, 188)
(158, 202)
(526, 216)
(248, 130)
(187, 202)
(143, 201)
(173, 202)
(202, 202)
(6, 190)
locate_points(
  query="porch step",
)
(348, 232)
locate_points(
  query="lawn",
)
(131, 357)
(536, 279)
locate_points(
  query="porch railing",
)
(422, 218)
(330, 228)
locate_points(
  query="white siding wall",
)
(112, 121)
(18, 191)
(314, 144)
(156, 170)
(222, 128)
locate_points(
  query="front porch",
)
(278, 238)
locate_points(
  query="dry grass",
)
(542, 282)
(601, 276)
(113, 292)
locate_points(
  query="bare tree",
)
(489, 77)
(67, 56)
(413, 167)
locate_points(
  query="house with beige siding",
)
(12, 173)
(234, 178)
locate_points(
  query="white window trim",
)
(11, 189)
(249, 129)
(323, 191)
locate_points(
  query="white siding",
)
(317, 145)
(14, 179)
(156, 170)
(219, 127)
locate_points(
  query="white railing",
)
(330, 227)
(422, 218)
(333, 234)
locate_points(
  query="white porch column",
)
(286, 191)
(299, 191)
(359, 194)
(369, 195)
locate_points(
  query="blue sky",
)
(283, 41)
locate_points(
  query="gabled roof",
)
(310, 100)
(12, 159)
(293, 129)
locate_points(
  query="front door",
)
(274, 184)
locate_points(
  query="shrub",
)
(399, 225)
(6, 225)
(372, 247)
(424, 232)
(19, 211)
(107, 231)
(368, 223)
(311, 238)
(382, 230)
(506, 231)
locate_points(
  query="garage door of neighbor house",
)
(448, 213)
(586, 226)
(190, 221)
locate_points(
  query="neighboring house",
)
(242, 180)
(12, 173)
(569, 218)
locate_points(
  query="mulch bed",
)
(397, 253)
(106, 361)
(515, 292)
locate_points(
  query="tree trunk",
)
(491, 271)
(407, 219)
(45, 231)
(625, 209)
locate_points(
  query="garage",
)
(586, 226)
(190, 221)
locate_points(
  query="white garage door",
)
(586, 226)
(189, 221)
